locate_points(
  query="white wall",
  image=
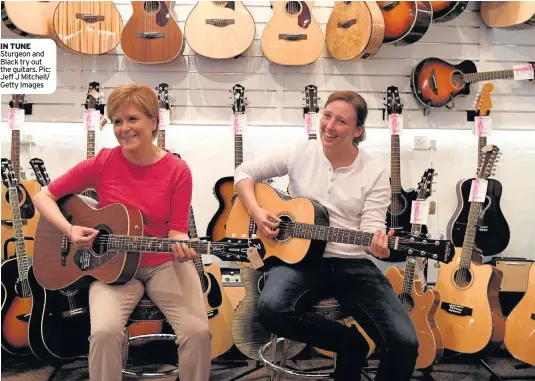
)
(200, 129)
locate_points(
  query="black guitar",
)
(492, 231)
(59, 325)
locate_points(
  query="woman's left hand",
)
(183, 253)
(379, 247)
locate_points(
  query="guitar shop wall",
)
(200, 129)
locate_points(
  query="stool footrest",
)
(153, 336)
(149, 374)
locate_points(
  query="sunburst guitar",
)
(406, 22)
(16, 17)
(292, 36)
(355, 29)
(447, 10)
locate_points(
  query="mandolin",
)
(355, 29)
(492, 229)
(220, 29)
(16, 17)
(86, 27)
(435, 82)
(406, 22)
(292, 36)
(470, 316)
(447, 10)
(508, 14)
(152, 35)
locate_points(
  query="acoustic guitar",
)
(435, 82)
(447, 10)
(59, 324)
(470, 315)
(220, 29)
(16, 293)
(508, 14)
(355, 29)
(520, 325)
(406, 22)
(27, 189)
(152, 35)
(420, 304)
(86, 27)
(16, 17)
(292, 36)
(492, 229)
(116, 251)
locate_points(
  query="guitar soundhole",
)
(284, 229)
(100, 243)
(457, 79)
(398, 205)
(151, 6)
(462, 277)
(407, 301)
(293, 7)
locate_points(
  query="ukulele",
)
(292, 36)
(355, 29)
(447, 10)
(16, 293)
(220, 29)
(406, 22)
(16, 17)
(27, 189)
(508, 14)
(152, 35)
(86, 27)
(470, 315)
(492, 229)
(92, 104)
(420, 304)
(435, 82)
(59, 324)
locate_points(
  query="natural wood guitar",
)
(470, 315)
(508, 14)
(292, 36)
(33, 23)
(86, 27)
(355, 29)
(220, 29)
(152, 35)
(447, 10)
(520, 325)
(406, 22)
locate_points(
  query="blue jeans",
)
(363, 293)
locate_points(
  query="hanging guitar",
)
(447, 10)
(406, 22)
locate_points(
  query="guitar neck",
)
(470, 234)
(90, 144)
(408, 276)
(154, 244)
(238, 150)
(331, 234)
(192, 232)
(481, 142)
(161, 139)
(15, 152)
(395, 173)
(20, 248)
(488, 76)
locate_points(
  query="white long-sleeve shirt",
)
(356, 197)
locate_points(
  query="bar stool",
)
(329, 308)
(146, 311)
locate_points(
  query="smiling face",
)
(133, 128)
(338, 125)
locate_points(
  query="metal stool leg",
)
(285, 349)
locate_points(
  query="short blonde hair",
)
(141, 96)
(359, 105)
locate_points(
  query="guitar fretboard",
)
(20, 248)
(238, 150)
(192, 232)
(161, 139)
(90, 144)
(395, 173)
(488, 76)
(470, 234)
(15, 152)
(408, 276)
(481, 142)
(153, 244)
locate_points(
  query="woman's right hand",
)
(81, 236)
(266, 222)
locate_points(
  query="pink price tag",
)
(15, 119)
(92, 120)
(482, 126)
(395, 123)
(311, 123)
(419, 212)
(522, 72)
(164, 119)
(478, 190)
(239, 122)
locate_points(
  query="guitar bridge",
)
(347, 23)
(293, 37)
(212, 313)
(456, 309)
(151, 35)
(89, 18)
(220, 22)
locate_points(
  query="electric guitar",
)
(447, 10)
(16, 17)
(470, 315)
(420, 304)
(492, 229)
(59, 325)
(406, 22)
(16, 293)
(508, 14)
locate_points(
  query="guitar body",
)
(398, 214)
(86, 27)
(406, 22)
(481, 327)
(152, 36)
(354, 30)
(16, 17)
(421, 307)
(220, 30)
(292, 36)
(115, 267)
(447, 10)
(434, 71)
(59, 326)
(224, 192)
(16, 307)
(520, 325)
(508, 14)
(248, 334)
(492, 235)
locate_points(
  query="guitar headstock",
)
(163, 95)
(483, 102)
(93, 96)
(235, 249)
(489, 157)
(41, 175)
(8, 174)
(17, 101)
(425, 184)
(238, 99)
(310, 97)
(441, 250)
(393, 101)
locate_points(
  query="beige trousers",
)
(175, 288)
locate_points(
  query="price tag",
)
(395, 123)
(165, 119)
(254, 258)
(521, 72)
(15, 118)
(312, 121)
(239, 123)
(419, 212)
(482, 126)
(91, 119)
(478, 190)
